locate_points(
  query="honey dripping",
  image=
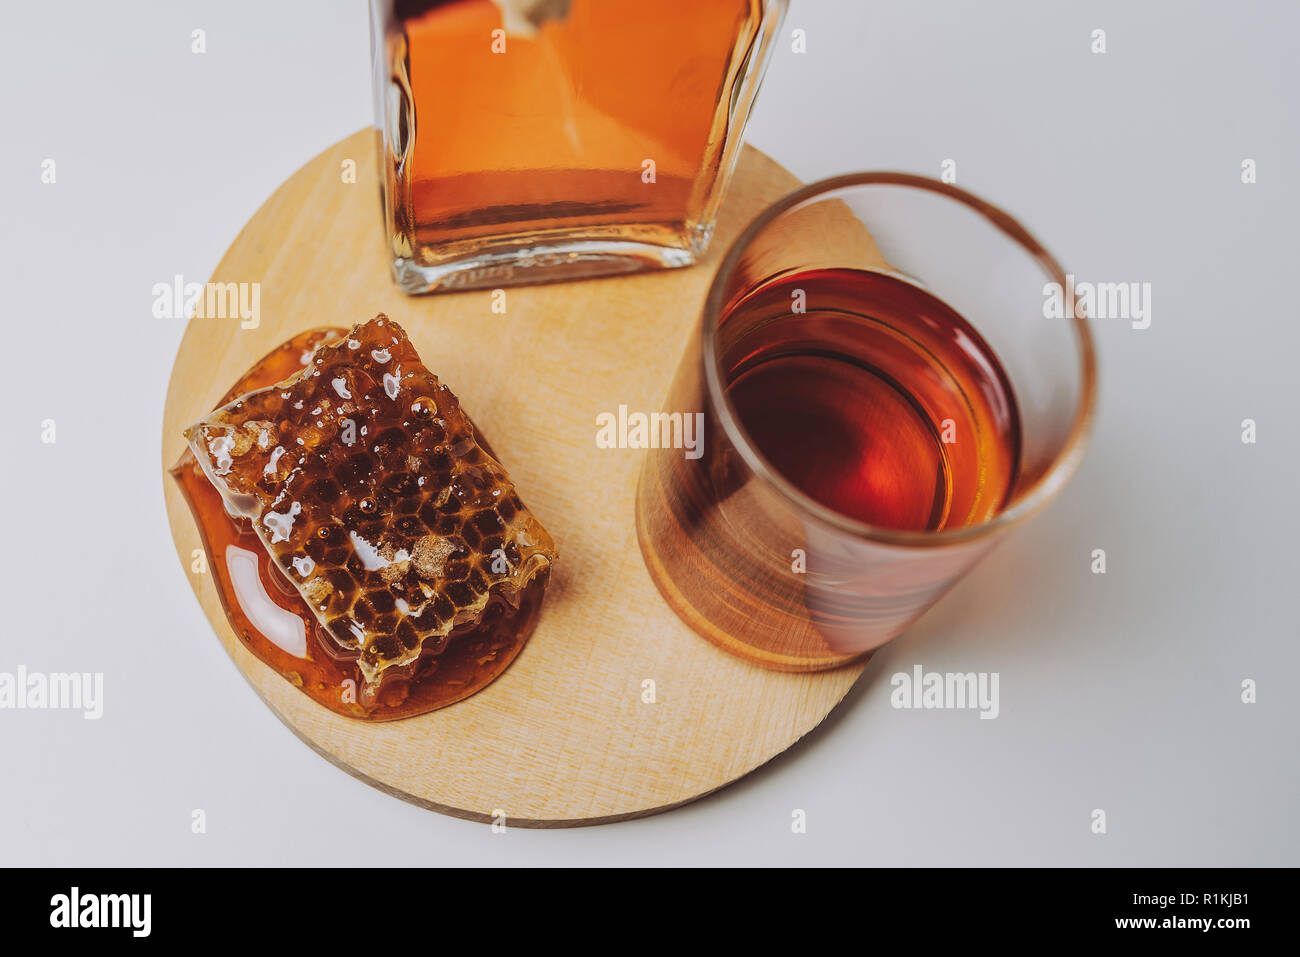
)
(274, 622)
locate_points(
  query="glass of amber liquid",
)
(527, 141)
(884, 398)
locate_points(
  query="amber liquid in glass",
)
(539, 138)
(877, 400)
(873, 399)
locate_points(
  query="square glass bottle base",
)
(557, 260)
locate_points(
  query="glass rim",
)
(1065, 463)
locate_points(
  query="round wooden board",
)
(563, 738)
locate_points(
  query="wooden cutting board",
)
(566, 736)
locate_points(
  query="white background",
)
(1119, 692)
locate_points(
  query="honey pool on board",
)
(386, 576)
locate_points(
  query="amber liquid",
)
(878, 400)
(476, 654)
(865, 398)
(545, 139)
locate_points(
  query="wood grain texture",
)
(563, 737)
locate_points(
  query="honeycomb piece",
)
(366, 483)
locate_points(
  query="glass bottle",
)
(528, 141)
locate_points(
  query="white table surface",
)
(1119, 692)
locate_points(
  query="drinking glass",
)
(886, 394)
